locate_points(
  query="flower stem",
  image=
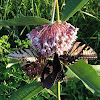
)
(53, 11)
(58, 90)
(58, 17)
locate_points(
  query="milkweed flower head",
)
(48, 39)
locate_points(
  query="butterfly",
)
(52, 70)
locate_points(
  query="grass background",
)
(14, 37)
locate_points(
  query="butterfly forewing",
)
(82, 51)
(88, 53)
(79, 51)
(24, 54)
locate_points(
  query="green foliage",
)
(4, 45)
(71, 7)
(75, 90)
(27, 91)
(97, 68)
(13, 8)
(31, 91)
(23, 43)
(87, 75)
(14, 37)
(22, 21)
(12, 78)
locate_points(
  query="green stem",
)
(59, 90)
(58, 17)
(33, 7)
(53, 11)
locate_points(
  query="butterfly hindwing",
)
(48, 77)
(50, 72)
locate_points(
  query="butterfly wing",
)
(24, 54)
(48, 78)
(50, 72)
(31, 70)
(29, 60)
(81, 51)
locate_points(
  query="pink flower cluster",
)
(58, 37)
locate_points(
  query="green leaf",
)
(71, 7)
(87, 75)
(90, 15)
(45, 94)
(22, 21)
(54, 89)
(51, 91)
(97, 68)
(26, 92)
(70, 74)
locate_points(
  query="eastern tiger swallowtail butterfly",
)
(52, 70)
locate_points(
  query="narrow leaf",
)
(71, 7)
(51, 92)
(90, 15)
(87, 75)
(22, 21)
(54, 90)
(26, 92)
